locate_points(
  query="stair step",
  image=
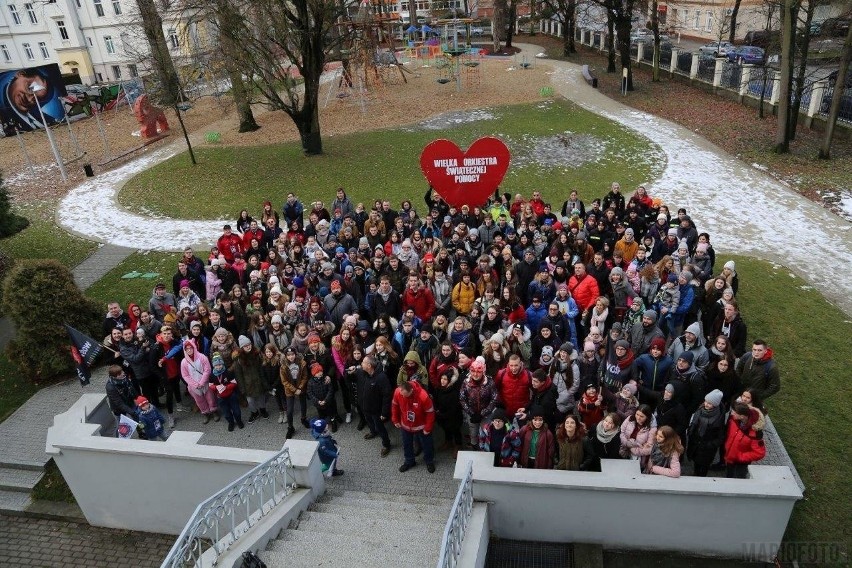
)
(14, 479)
(386, 497)
(347, 503)
(7, 463)
(377, 544)
(356, 524)
(318, 558)
(14, 501)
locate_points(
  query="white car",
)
(716, 48)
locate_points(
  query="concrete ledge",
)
(704, 516)
(475, 545)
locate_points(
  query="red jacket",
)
(249, 235)
(414, 413)
(229, 246)
(585, 292)
(514, 390)
(743, 446)
(545, 450)
(422, 302)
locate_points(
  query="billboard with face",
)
(18, 92)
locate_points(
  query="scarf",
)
(707, 418)
(658, 458)
(604, 436)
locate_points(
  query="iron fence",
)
(457, 522)
(731, 75)
(684, 63)
(706, 69)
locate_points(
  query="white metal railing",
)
(451, 541)
(223, 518)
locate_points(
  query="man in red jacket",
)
(513, 385)
(229, 244)
(584, 290)
(413, 413)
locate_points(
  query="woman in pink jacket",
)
(638, 433)
(665, 455)
(195, 370)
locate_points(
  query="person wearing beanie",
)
(499, 436)
(223, 382)
(652, 371)
(544, 394)
(478, 398)
(251, 380)
(626, 402)
(538, 444)
(618, 368)
(689, 382)
(691, 341)
(321, 394)
(152, 422)
(668, 411)
(643, 332)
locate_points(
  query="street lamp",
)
(36, 88)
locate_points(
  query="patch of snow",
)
(760, 167)
(845, 205)
(455, 118)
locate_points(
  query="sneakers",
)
(361, 425)
(385, 451)
(333, 426)
(337, 473)
(240, 424)
(253, 416)
(230, 426)
(171, 421)
(264, 414)
(405, 467)
(281, 418)
(348, 417)
(369, 436)
(290, 432)
(216, 416)
(305, 422)
(207, 419)
(430, 467)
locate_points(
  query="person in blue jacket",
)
(327, 450)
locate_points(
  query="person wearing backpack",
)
(758, 370)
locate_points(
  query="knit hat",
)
(589, 346)
(498, 414)
(730, 265)
(670, 388)
(568, 347)
(318, 426)
(687, 356)
(195, 323)
(316, 369)
(622, 343)
(616, 326)
(277, 317)
(546, 355)
(273, 280)
(672, 278)
(673, 232)
(141, 400)
(628, 231)
(243, 341)
(536, 411)
(662, 216)
(651, 315)
(184, 283)
(363, 242)
(659, 343)
(629, 388)
(478, 364)
(298, 282)
(497, 337)
(314, 338)
(216, 359)
(683, 245)
(335, 285)
(327, 266)
(340, 250)
(686, 275)
(701, 247)
(714, 397)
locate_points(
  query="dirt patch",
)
(563, 150)
(451, 119)
(393, 105)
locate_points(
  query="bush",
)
(9, 222)
(6, 263)
(40, 296)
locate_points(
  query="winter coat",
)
(545, 448)
(690, 387)
(195, 370)
(422, 301)
(641, 337)
(671, 413)
(701, 358)
(448, 410)
(153, 423)
(290, 383)
(247, 370)
(514, 390)
(463, 297)
(595, 450)
(374, 393)
(138, 357)
(567, 381)
(535, 316)
(744, 442)
(671, 467)
(638, 447)
(585, 292)
(761, 375)
(417, 373)
(510, 448)
(327, 449)
(165, 358)
(440, 365)
(338, 307)
(225, 380)
(625, 407)
(702, 447)
(414, 413)
(121, 395)
(478, 399)
(653, 374)
(320, 390)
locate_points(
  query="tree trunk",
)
(622, 26)
(226, 16)
(610, 43)
(782, 139)
(732, 33)
(532, 18)
(802, 69)
(569, 29)
(513, 18)
(655, 28)
(169, 91)
(834, 109)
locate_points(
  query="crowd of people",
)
(553, 337)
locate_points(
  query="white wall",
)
(622, 508)
(152, 486)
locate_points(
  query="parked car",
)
(831, 78)
(716, 48)
(747, 54)
(762, 38)
(835, 27)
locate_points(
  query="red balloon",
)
(465, 178)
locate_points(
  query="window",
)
(100, 77)
(16, 17)
(110, 47)
(134, 72)
(116, 71)
(5, 50)
(697, 23)
(173, 38)
(90, 42)
(28, 50)
(116, 7)
(31, 13)
(63, 32)
(42, 46)
(709, 20)
(99, 8)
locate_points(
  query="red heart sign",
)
(465, 178)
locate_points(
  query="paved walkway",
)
(97, 264)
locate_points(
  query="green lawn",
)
(385, 164)
(44, 239)
(15, 388)
(113, 288)
(810, 339)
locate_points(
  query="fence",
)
(459, 517)
(220, 520)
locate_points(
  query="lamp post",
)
(36, 88)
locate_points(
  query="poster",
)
(18, 109)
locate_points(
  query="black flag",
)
(85, 350)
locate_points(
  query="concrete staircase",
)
(352, 528)
(17, 480)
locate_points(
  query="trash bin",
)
(88, 169)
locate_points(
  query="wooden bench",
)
(590, 79)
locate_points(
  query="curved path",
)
(746, 211)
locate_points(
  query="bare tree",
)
(565, 12)
(834, 109)
(167, 90)
(788, 30)
(732, 28)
